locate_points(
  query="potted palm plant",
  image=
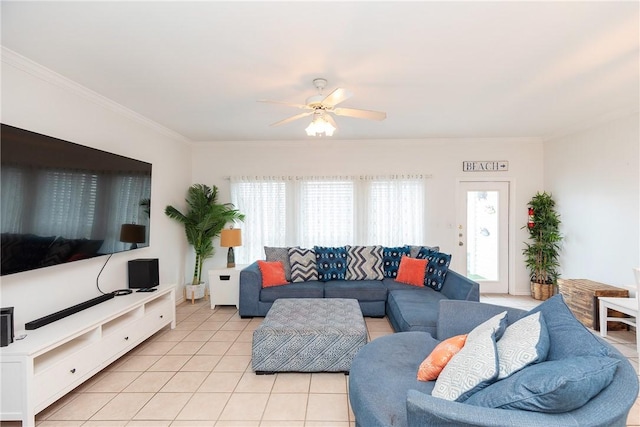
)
(204, 220)
(541, 253)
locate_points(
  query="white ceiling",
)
(439, 69)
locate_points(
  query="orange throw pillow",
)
(272, 273)
(411, 271)
(431, 367)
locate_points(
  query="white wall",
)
(442, 158)
(37, 100)
(594, 176)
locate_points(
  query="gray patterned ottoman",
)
(308, 335)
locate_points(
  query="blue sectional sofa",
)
(384, 391)
(409, 308)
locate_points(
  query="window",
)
(328, 211)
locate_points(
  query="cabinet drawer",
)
(120, 341)
(156, 318)
(66, 373)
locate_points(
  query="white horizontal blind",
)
(328, 211)
(396, 212)
(263, 201)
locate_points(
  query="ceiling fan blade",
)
(360, 114)
(336, 97)
(330, 120)
(301, 106)
(292, 118)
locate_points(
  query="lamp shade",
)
(132, 233)
(231, 237)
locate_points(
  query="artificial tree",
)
(541, 254)
(203, 221)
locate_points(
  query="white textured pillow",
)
(471, 369)
(476, 365)
(524, 342)
(497, 324)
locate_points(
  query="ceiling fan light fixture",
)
(319, 126)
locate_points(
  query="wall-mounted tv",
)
(62, 202)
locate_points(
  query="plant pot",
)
(194, 292)
(541, 291)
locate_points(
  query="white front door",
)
(483, 233)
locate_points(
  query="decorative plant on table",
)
(203, 221)
(541, 254)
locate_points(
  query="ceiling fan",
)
(321, 107)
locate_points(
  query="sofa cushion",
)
(303, 264)
(524, 342)
(414, 250)
(436, 269)
(272, 273)
(331, 263)
(364, 263)
(567, 336)
(382, 372)
(282, 255)
(412, 271)
(435, 362)
(362, 290)
(312, 289)
(554, 386)
(391, 259)
(414, 309)
(476, 365)
(471, 369)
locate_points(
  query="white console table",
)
(54, 359)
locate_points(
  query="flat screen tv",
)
(62, 202)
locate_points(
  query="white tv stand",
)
(54, 359)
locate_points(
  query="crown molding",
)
(595, 122)
(26, 65)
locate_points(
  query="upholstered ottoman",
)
(308, 335)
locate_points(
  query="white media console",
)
(54, 359)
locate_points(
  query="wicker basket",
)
(541, 291)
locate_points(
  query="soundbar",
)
(35, 324)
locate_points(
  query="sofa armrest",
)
(460, 317)
(456, 286)
(426, 410)
(250, 286)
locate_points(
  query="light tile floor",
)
(199, 374)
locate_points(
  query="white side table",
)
(224, 286)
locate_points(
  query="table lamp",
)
(132, 233)
(229, 238)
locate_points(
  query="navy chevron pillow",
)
(364, 263)
(303, 264)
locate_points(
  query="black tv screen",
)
(62, 202)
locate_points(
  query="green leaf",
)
(203, 221)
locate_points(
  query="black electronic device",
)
(68, 202)
(6, 326)
(143, 273)
(35, 324)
